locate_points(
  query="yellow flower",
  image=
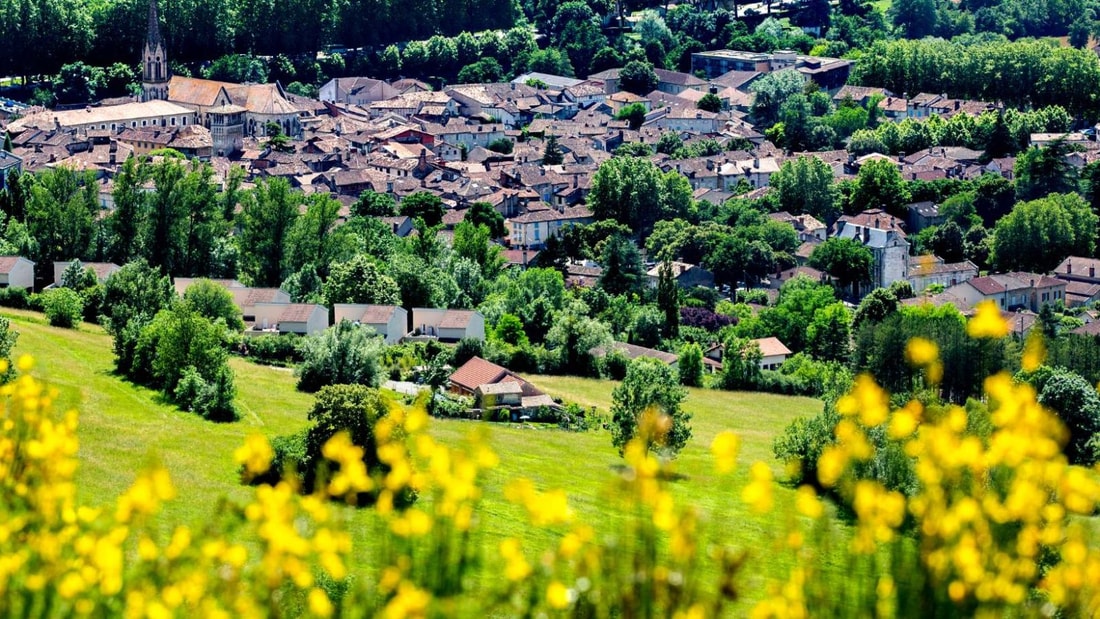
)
(319, 604)
(758, 492)
(807, 503)
(725, 447)
(1034, 352)
(255, 454)
(558, 595)
(921, 351)
(987, 322)
(516, 567)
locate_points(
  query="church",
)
(230, 111)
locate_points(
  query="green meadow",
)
(124, 427)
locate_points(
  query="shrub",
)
(63, 307)
(273, 349)
(704, 318)
(17, 298)
(344, 354)
(647, 405)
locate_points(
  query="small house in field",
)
(16, 272)
(495, 387)
(389, 321)
(282, 318)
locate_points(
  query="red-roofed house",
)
(494, 386)
(1011, 290)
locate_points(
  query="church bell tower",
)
(154, 62)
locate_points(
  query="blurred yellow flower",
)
(920, 351)
(725, 447)
(758, 493)
(987, 321)
(255, 454)
(807, 503)
(557, 596)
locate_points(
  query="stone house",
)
(1011, 291)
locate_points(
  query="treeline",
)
(42, 35)
(1020, 74)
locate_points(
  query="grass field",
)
(123, 427)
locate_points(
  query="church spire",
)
(153, 35)
(154, 61)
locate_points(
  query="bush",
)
(614, 364)
(213, 400)
(17, 298)
(345, 354)
(273, 349)
(63, 307)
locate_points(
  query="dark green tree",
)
(710, 103)
(622, 267)
(552, 153)
(668, 300)
(423, 205)
(638, 77)
(847, 260)
(647, 405)
(270, 212)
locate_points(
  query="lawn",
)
(123, 427)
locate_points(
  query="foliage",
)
(373, 204)
(647, 405)
(1038, 235)
(423, 205)
(879, 185)
(638, 77)
(63, 307)
(805, 185)
(133, 296)
(360, 280)
(690, 365)
(552, 153)
(343, 354)
(845, 259)
(710, 103)
(633, 113)
(1077, 404)
(214, 302)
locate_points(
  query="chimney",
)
(1069, 268)
(876, 222)
(956, 104)
(756, 162)
(866, 235)
(575, 177)
(710, 164)
(1092, 271)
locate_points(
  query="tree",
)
(126, 220)
(879, 185)
(356, 410)
(214, 302)
(270, 211)
(359, 280)
(646, 405)
(770, 92)
(316, 238)
(1039, 234)
(344, 354)
(829, 334)
(552, 153)
(483, 214)
(474, 243)
(710, 103)
(63, 307)
(622, 266)
(484, 71)
(373, 204)
(915, 19)
(805, 185)
(875, 307)
(690, 365)
(668, 300)
(669, 143)
(509, 330)
(1043, 171)
(573, 335)
(61, 206)
(638, 77)
(423, 205)
(847, 260)
(237, 68)
(633, 113)
(277, 140)
(628, 190)
(1078, 405)
(550, 60)
(947, 242)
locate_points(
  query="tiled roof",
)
(377, 314)
(456, 319)
(633, 352)
(477, 372)
(194, 91)
(7, 263)
(771, 346)
(298, 312)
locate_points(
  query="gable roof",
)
(771, 347)
(477, 372)
(7, 263)
(299, 312)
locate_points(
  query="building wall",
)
(772, 362)
(21, 275)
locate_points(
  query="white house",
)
(102, 270)
(300, 318)
(532, 228)
(448, 325)
(16, 272)
(773, 352)
(356, 91)
(389, 321)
